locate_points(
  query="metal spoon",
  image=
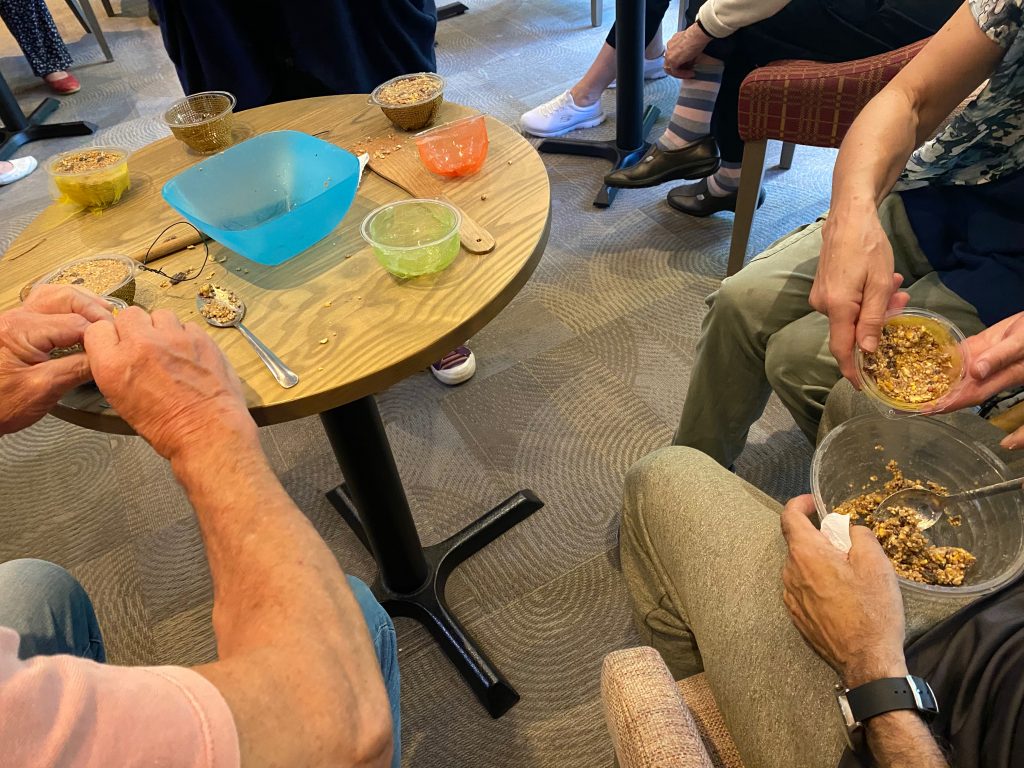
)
(285, 376)
(931, 506)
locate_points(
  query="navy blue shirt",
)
(974, 237)
(278, 50)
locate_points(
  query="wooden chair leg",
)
(90, 16)
(596, 12)
(786, 156)
(108, 7)
(750, 188)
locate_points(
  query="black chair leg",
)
(78, 15)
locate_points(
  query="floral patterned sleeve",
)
(999, 19)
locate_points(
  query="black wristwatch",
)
(860, 704)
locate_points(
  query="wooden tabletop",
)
(378, 329)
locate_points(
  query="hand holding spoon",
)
(223, 309)
(931, 506)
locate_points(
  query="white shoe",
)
(23, 166)
(654, 69)
(559, 116)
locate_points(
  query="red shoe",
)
(64, 85)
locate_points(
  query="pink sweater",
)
(65, 711)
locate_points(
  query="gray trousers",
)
(760, 335)
(702, 554)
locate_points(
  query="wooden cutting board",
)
(403, 169)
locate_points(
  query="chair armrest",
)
(650, 724)
(811, 103)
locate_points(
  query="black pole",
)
(629, 62)
(361, 446)
(10, 112)
(633, 122)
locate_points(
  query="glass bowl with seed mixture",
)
(410, 102)
(919, 365)
(851, 462)
(106, 274)
(203, 121)
(93, 178)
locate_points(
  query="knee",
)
(37, 582)
(657, 485)
(740, 300)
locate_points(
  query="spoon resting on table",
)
(931, 506)
(223, 309)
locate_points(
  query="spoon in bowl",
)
(930, 506)
(223, 309)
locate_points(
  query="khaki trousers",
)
(760, 335)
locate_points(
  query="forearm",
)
(874, 153)
(909, 110)
(282, 608)
(902, 740)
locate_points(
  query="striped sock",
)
(691, 119)
(725, 181)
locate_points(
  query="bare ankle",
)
(583, 97)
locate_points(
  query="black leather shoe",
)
(660, 165)
(695, 200)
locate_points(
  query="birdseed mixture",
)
(912, 554)
(911, 364)
(220, 305)
(87, 160)
(409, 90)
(98, 275)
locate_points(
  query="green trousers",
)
(761, 335)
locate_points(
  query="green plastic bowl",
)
(413, 237)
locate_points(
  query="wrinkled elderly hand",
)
(31, 382)
(170, 382)
(682, 49)
(847, 606)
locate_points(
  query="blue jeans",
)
(53, 614)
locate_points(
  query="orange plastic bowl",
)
(458, 148)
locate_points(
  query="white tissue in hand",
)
(837, 530)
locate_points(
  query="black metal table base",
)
(19, 129)
(411, 578)
(451, 10)
(427, 604)
(609, 150)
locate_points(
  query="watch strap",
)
(890, 694)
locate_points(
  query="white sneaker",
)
(654, 69)
(559, 116)
(23, 166)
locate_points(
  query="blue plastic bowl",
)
(268, 198)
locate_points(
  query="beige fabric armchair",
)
(656, 722)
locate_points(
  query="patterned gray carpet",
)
(583, 374)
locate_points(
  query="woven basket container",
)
(414, 116)
(203, 121)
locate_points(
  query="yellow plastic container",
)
(94, 177)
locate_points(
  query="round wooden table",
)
(342, 323)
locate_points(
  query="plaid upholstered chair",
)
(656, 722)
(800, 102)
